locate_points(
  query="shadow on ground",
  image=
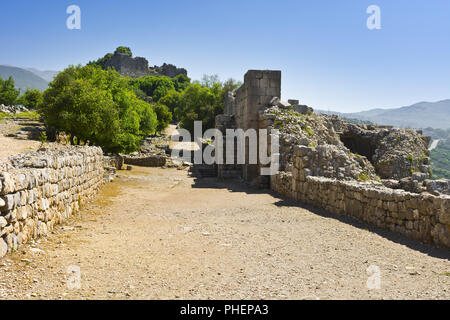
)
(238, 185)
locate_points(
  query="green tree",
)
(8, 92)
(99, 106)
(201, 100)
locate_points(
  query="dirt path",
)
(159, 234)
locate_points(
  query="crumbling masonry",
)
(41, 189)
(377, 174)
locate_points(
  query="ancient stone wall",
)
(169, 70)
(41, 189)
(128, 66)
(421, 216)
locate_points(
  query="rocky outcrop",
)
(330, 161)
(395, 153)
(374, 152)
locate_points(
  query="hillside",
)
(419, 115)
(47, 75)
(24, 79)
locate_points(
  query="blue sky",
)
(328, 57)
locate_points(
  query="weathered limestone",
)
(147, 160)
(377, 174)
(41, 189)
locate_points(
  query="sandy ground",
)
(160, 234)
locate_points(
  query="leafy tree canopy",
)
(8, 92)
(124, 50)
(32, 98)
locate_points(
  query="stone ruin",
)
(139, 66)
(13, 109)
(378, 174)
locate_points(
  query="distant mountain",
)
(419, 115)
(23, 79)
(46, 75)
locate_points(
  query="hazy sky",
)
(328, 57)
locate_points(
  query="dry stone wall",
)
(41, 189)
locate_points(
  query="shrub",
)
(181, 82)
